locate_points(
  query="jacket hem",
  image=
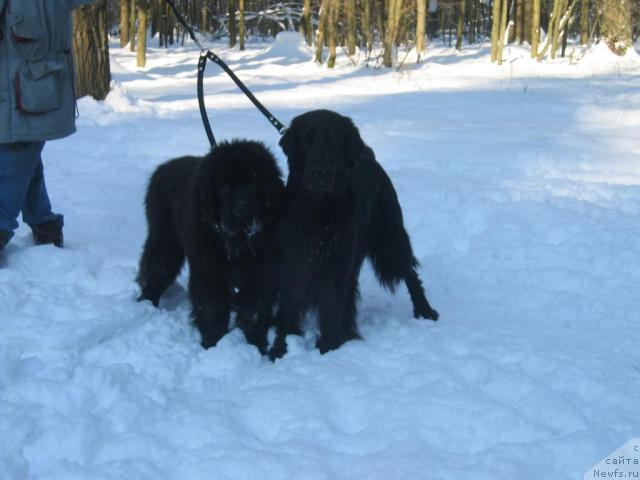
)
(42, 137)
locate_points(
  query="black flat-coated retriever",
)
(220, 212)
(340, 208)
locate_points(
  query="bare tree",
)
(350, 14)
(616, 25)
(584, 22)
(305, 22)
(332, 32)
(496, 40)
(124, 23)
(394, 9)
(325, 9)
(460, 10)
(91, 50)
(233, 29)
(132, 25)
(241, 27)
(367, 27)
(143, 18)
(535, 28)
(421, 16)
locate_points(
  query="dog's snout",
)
(241, 210)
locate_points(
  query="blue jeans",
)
(22, 187)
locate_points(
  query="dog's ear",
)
(353, 144)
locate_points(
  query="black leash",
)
(202, 63)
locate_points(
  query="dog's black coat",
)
(220, 212)
(340, 208)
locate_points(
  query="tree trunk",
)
(124, 23)
(91, 50)
(616, 25)
(143, 16)
(162, 25)
(460, 24)
(325, 8)
(441, 18)
(170, 24)
(584, 22)
(503, 25)
(558, 10)
(233, 30)
(153, 17)
(204, 18)
(379, 19)
(421, 12)
(132, 25)
(558, 24)
(535, 28)
(332, 28)
(305, 23)
(519, 21)
(391, 33)
(350, 14)
(526, 21)
(367, 34)
(241, 27)
(495, 29)
(473, 12)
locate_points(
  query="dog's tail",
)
(389, 246)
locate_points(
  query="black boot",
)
(48, 233)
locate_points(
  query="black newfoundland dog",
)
(220, 212)
(341, 207)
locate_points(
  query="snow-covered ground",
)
(520, 186)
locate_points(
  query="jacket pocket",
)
(27, 24)
(38, 87)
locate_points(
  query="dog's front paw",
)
(144, 296)
(427, 312)
(278, 349)
(209, 341)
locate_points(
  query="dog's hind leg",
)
(393, 261)
(392, 256)
(161, 261)
(421, 306)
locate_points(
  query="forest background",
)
(382, 30)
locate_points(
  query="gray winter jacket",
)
(36, 70)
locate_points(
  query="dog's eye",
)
(225, 190)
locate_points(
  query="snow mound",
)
(288, 48)
(602, 54)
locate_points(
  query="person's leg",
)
(4, 239)
(22, 187)
(18, 163)
(36, 208)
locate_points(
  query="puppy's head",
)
(322, 147)
(240, 188)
